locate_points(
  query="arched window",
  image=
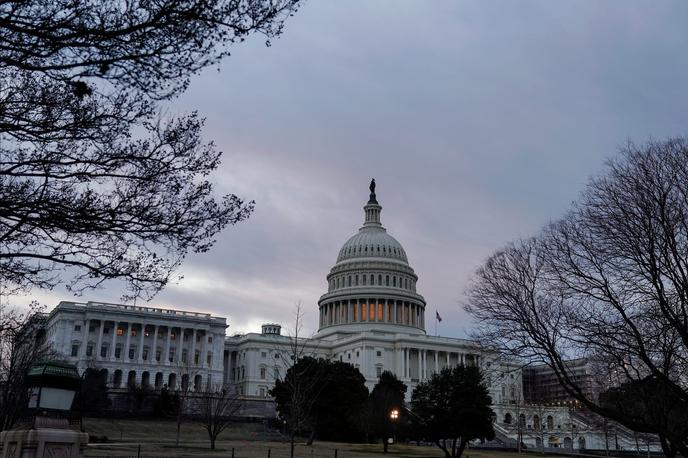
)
(198, 383)
(145, 379)
(131, 379)
(372, 279)
(349, 280)
(387, 280)
(507, 418)
(522, 421)
(158, 380)
(172, 381)
(550, 422)
(117, 378)
(263, 373)
(379, 280)
(536, 423)
(394, 281)
(364, 278)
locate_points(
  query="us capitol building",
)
(371, 317)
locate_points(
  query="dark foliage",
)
(650, 401)
(334, 394)
(93, 395)
(95, 184)
(453, 408)
(387, 395)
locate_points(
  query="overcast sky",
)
(480, 121)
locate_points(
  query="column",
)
(100, 338)
(154, 350)
(180, 346)
(143, 334)
(113, 345)
(437, 368)
(447, 359)
(425, 364)
(167, 347)
(408, 362)
(193, 350)
(125, 357)
(84, 340)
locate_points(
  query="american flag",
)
(437, 316)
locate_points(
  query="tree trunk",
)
(212, 443)
(291, 445)
(311, 438)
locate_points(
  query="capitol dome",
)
(372, 285)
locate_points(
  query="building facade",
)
(143, 346)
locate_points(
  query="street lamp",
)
(52, 386)
(393, 416)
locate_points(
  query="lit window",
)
(146, 333)
(133, 332)
(173, 336)
(120, 331)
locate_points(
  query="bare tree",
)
(187, 370)
(297, 392)
(215, 409)
(95, 184)
(22, 343)
(609, 282)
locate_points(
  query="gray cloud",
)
(480, 120)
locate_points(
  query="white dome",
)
(372, 286)
(372, 242)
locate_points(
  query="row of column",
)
(437, 363)
(153, 349)
(372, 310)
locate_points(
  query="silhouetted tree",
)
(453, 408)
(95, 184)
(609, 282)
(22, 344)
(93, 395)
(338, 406)
(215, 410)
(388, 394)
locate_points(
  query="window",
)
(277, 355)
(378, 371)
(394, 281)
(106, 331)
(145, 354)
(372, 279)
(277, 373)
(146, 333)
(379, 279)
(379, 353)
(209, 359)
(210, 339)
(363, 312)
(171, 354)
(118, 352)
(173, 336)
(358, 354)
(120, 331)
(77, 327)
(262, 392)
(387, 280)
(157, 354)
(133, 332)
(356, 280)
(91, 328)
(103, 351)
(89, 350)
(263, 354)
(132, 352)
(349, 356)
(262, 373)
(75, 349)
(184, 355)
(349, 280)
(197, 356)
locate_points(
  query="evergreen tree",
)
(453, 408)
(387, 395)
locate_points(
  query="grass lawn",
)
(157, 438)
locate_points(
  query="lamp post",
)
(394, 417)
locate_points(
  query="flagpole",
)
(436, 323)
